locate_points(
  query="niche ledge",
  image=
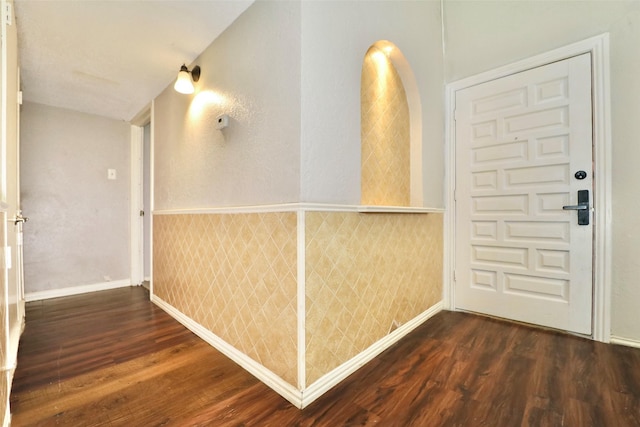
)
(396, 209)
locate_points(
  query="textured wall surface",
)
(235, 274)
(385, 170)
(366, 274)
(252, 74)
(78, 229)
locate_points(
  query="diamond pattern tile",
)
(385, 133)
(4, 328)
(366, 273)
(236, 275)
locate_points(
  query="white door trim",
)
(135, 234)
(598, 47)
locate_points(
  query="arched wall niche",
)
(391, 129)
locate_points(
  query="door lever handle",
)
(19, 218)
(582, 207)
(576, 207)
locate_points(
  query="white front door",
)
(523, 151)
(10, 178)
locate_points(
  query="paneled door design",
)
(10, 178)
(523, 152)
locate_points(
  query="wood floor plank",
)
(114, 359)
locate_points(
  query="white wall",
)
(335, 39)
(252, 73)
(78, 229)
(481, 35)
(288, 74)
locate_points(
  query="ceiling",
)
(112, 57)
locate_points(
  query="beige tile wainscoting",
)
(7, 374)
(299, 290)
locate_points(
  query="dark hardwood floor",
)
(114, 359)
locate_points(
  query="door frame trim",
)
(135, 204)
(137, 235)
(598, 47)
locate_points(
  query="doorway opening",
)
(141, 198)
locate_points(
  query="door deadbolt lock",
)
(580, 175)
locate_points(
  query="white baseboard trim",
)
(334, 377)
(272, 380)
(625, 341)
(75, 290)
(300, 399)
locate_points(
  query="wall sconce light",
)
(184, 82)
